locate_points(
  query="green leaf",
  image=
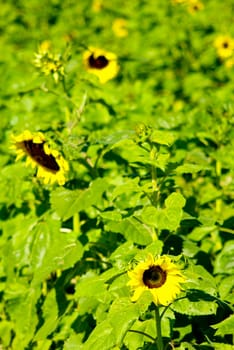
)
(224, 327)
(53, 249)
(22, 309)
(186, 346)
(49, 315)
(195, 308)
(175, 200)
(66, 202)
(198, 233)
(90, 285)
(5, 332)
(134, 340)
(162, 137)
(130, 185)
(225, 288)
(198, 278)
(190, 168)
(167, 218)
(112, 330)
(224, 262)
(131, 229)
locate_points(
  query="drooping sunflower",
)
(224, 45)
(160, 276)
(51, 166)
(101, 63)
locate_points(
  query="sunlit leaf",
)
(66, 202)
(225, 327)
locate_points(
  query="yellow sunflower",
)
(101, 63)
(195, 6)
(229, 63)
(50, 164)
(224, 45)
(160, 276)
(119, 27)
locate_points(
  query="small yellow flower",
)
(101, 63)
(97, 5)
(195, 6)
(179, 1)
(50, 164)
(229, 63)
(44, 47)
(224, 45)
(119, 27)
(160, 276)
(49, 63)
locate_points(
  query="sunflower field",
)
(117, 175)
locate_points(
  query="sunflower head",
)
(97, 5)
(119, 27)
(195, 6)
(224, 45)
(51, 166)
(160, 276)
(101, 63)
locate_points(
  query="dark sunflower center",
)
(36, 151)
(99, 62)
(154, 277)
(225, 45)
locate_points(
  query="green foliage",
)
(151, 168)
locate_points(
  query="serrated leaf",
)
(196, 308)
(198, 278)
(66, 202)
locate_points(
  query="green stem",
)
(224, 229)
(158, 327)
(76, 222)
(154, 178)
(218, 202)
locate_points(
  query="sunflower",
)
(224, 45)
(195, 6)
(119, 27)
(229, 63)
(160, 276)
(50, 164)
(101, 63)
